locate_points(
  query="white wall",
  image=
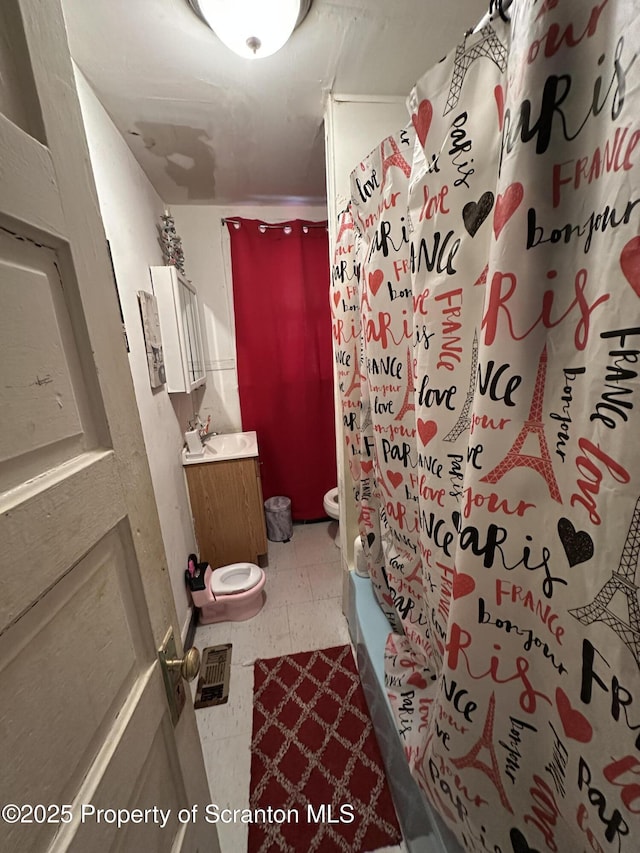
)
(205, 241)
(130, 209)
(354, 126)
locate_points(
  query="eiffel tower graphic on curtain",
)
(464, 421)
(489, 45)
(356, 380)
(532, 426)
(408, 405)
(624, 579)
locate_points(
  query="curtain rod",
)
(495, 7)
(265, 225)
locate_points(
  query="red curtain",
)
(285, 363)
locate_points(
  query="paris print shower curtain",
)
(486, 322)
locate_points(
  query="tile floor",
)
(303, 611)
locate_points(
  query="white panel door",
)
(86, 600)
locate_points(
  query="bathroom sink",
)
(217, 448)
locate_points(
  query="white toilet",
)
(330, 504)
(231, 593)
(332, 509)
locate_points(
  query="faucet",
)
(196, 423)
(203, 429)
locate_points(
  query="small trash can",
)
(277, 512)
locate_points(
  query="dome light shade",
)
(251, 28)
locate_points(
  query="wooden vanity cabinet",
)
(228, 511)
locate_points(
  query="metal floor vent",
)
(213, 681)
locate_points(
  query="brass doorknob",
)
(189, 665)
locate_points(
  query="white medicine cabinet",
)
(180, 329)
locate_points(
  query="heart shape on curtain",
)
(630, 263)
(395, 478)
(354, 467)
(575, 725)
(422, 121)
(475, 213)
(462, 584)
(578, 545)
(520, 843)
(426, 430)
(416, 679)
(375, 280)
(506, 205)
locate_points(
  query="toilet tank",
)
(202, 597)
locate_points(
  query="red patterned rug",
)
(316, 768)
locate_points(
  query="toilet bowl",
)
(330, 504)
(231, 593)
(235, 578)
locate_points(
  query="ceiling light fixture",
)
(252, 28)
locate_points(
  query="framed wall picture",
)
(152, 338)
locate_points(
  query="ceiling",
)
(208, 127)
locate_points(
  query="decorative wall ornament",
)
(170, 242)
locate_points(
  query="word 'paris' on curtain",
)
(486, 325)
(284, 356)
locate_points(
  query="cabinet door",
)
(228, 513)
(192, 338)
(259, 531)
(180, 327)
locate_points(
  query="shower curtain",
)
(280, 278)
(486, 323)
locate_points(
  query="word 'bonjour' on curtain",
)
(486, 323)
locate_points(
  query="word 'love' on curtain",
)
(486, 323)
